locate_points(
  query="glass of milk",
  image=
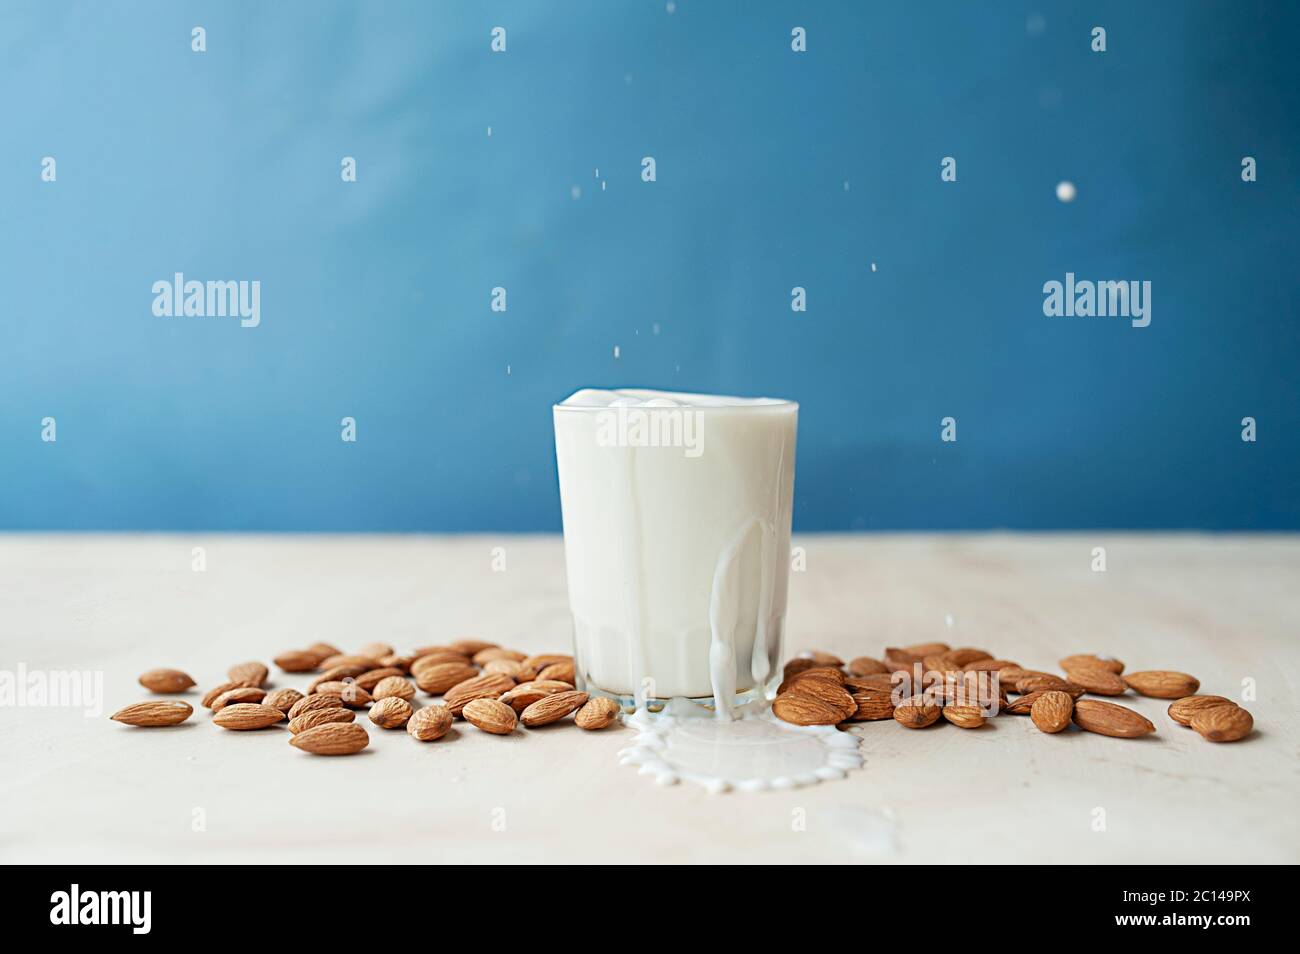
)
(677, 542)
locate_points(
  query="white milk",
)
(677, 541)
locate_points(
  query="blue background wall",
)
(375, 295)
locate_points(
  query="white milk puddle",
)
(753, 753)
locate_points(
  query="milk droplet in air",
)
(616, 351)
(1065, 190)
(873, 266)
(576, 192)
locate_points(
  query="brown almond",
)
(542, 660)
(309, 720)
(822, 658)
(371, 677)
(989, 665)
(318, 700)
(283, 699)
(1163, 683)
(429, 723)
(876, 680)
(1024, 705)
(525, 694)
(796, 666)
(485, 656)
(376, 650)
(597, 713)
(964, 717)
(1107, 718)
(916, 713)
(490, 715)
(798, 708)
(243, 716)
(333, 738)
(394, 686)
(470, 646)
(323, 651)
(560, 672)
(1051, 710)
(902, 659)
(921, 650)
(437, 658)
(490, 685)
(336, 674)
(1183, 710)
(401, 663)
(866, 666)
(351, 694)
(215, 693)
(439, 677)
(1043, 681)
(1088, 659)
(249, 674)
(872, 705)
(165, 680)
(966, 655)
(154, 714)
(244, 694)
(1094, 679)
(830, 692)
(297, 660)
(508, 667)
(390, 713)
(553, 708)
(1223, 723)
(351, 660)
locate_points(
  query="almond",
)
(525, 694)
(1051, 710)
(319, 700)
(323, 651)
(866, 666)
(297, 660)
(487, 686)
(390, 713)
(336, 674)
(542, 660)
(437, 658)
(283, 699)
(152, 714)
(490, 715)
(1024, 705)
(1223, 723)
(964, 717)
(243, 716)
(989, 665)
(215, 692)
(828, 691)
(597, 713)
(899, 659)
(351, 694)
(166, 680)
(394, 686)
(471, 646)
(402, 663)
(552, 708)
(376, 650)
(1096, 680)
(1084, 660)
(797, 708)
(333, 738)
(1183, 710)
(966, 655)
(872, 705)
(371, 677)
(560, 672)
(485, 656)
(429, 723)
(876, 680)
(351, 660)
(309, 720)
(920, 650)
(796, 666)
(507, 667)
(822, 659)
(1163, 684)
(249, 674)
(1106, 718)
(916, 713)
(438, 678)
(236, 696)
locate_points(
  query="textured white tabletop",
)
(85, 789)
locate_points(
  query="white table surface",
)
(79, 789)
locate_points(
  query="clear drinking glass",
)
(677, 512)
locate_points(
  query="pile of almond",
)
(492, 688)
(916, 686)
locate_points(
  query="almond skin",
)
(437, 678)
(964, 717)
(1088, 660)
(333, 738)
(873, 705)
(966, 655)
(1036, 682)
(878, 680)
(376, 650)
(243, 716)
(491, 716)
(372, 677)
(796, 666)
(1025, 704)
(526, 693)
(485, 656)
(393, 686)
(798, 708)
(508, 667)
(1183, 710)
(429, 723)
(1094, 679)
(470, 646)
(153, 714)
(542, 660)
(560, 672)
(866, 666)
(390, 713)
(400, 663)
(490, 685)
(319, 700)
(297, 660)
(165, 680)
(336, 674)
(215, 692)
(915, 713)
(437, 657)
(828, 691)
(597, 713)
(351, 694)
(351, 661)
(1052, 710)
(921, 650)
(1223, 723)
(283, 699)
(989, 665)
(235, 696)
(1163, 683)
(1107, 718)
(309, 720)
(553, 708)
(249, 673)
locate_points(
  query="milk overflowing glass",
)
(677, 542)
